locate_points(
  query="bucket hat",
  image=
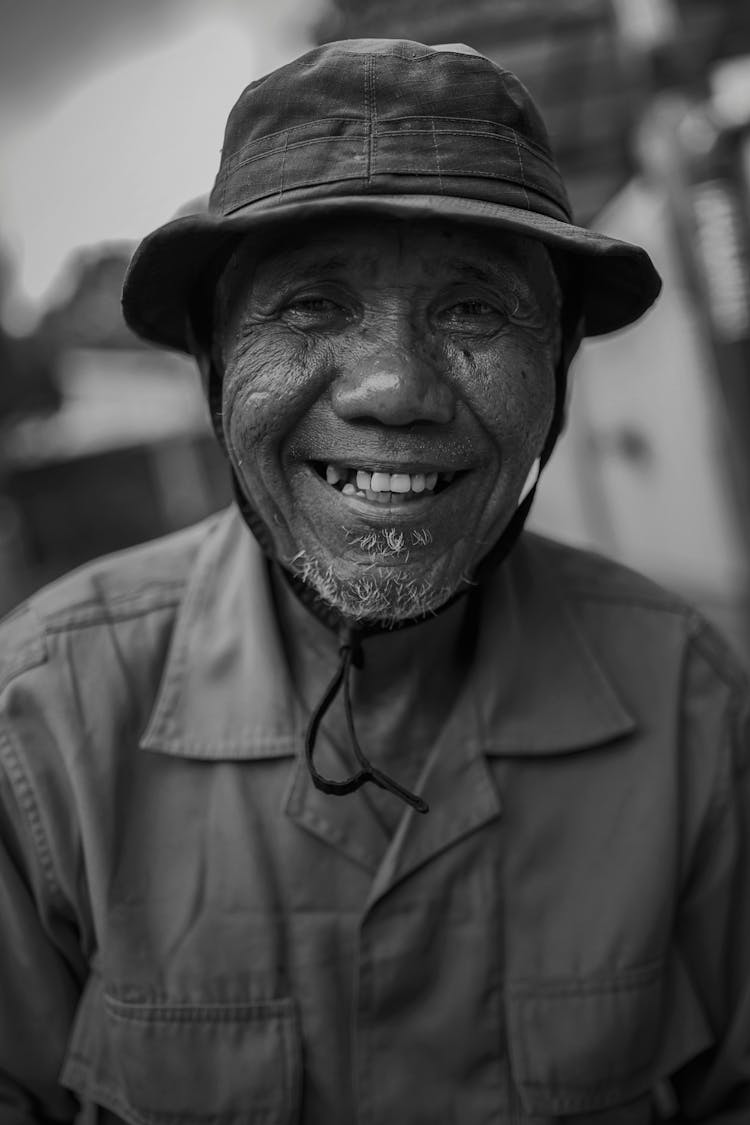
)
(393, 127)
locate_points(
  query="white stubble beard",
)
(381, 593)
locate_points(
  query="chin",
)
(382, 595)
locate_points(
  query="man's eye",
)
(314, 309)
(471, 309)
(473, 314)
(312, 304)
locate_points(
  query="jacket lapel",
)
(345, 823)
(462, 796)
(535, 687)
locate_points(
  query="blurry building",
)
(125, 455)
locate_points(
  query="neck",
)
(410, 677)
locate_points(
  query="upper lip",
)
(387, 465)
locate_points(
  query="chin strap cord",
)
(350, 655)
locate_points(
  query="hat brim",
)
(618, 280)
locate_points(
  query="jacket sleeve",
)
(40, 962)
(713, 924)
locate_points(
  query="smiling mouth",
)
(382, 487)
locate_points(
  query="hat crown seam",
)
(504, 134)
(562, 215)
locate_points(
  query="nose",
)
(393, 386)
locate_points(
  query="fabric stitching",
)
(520, 164)
(285, 745)
(28, 804)
(374, 121)
(420, 171)
(296, 144)
(237, 157)
(563, 987)
(369, 112)
(95, 614)
(252, 158)
(221, 188)
(506, 135)
(437, 160)
(248, 1013)
(283, 166)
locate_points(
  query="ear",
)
(571, 342)
(572, 331)
(199, 341)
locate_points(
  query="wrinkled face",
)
(387, 387)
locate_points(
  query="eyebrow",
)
(308, 267)
(477, 273)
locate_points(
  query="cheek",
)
(511, 391)
(268, 384)
(533, 401)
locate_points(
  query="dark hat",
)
(394, 127)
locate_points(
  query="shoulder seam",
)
(92, 612)
(32, 655)
(728, 670)
(663, 604)
(607, 580)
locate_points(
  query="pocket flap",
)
(583, 1045)
(152, 1062)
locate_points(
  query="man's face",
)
(387, 387)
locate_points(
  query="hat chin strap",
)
(531, 479)
(351, 634)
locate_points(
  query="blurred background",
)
(111, 118)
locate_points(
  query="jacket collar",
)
(539, 688)
(224, 691)
(542, 688)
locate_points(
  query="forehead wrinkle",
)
(489, 276)
(303, 265)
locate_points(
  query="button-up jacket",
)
(191, 932)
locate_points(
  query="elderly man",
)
(354, 804)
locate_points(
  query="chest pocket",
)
(587, 1046)
(162, 1064)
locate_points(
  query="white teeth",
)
(379, 485)
(400, 482)
(381, 482)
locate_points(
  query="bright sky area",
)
(126, 139)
